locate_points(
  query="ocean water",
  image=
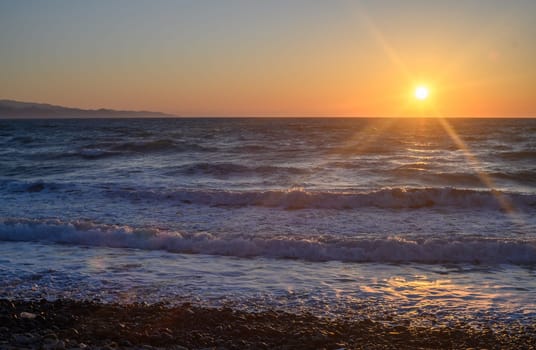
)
(420, 220)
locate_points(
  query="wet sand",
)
(68, 324)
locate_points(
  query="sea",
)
(424, 221)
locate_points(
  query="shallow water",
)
(430, 295)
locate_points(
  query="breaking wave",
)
(311, 248)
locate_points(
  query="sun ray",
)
(503, 200)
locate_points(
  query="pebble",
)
(28, 315)
(180, 347)
(50, 337)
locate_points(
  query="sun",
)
(421, 92)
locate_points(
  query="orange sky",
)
(304, 58)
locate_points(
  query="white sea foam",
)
(388, 249)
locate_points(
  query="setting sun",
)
(421, 93)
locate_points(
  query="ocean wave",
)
(415, 166)
(110, 149)
(22, 139)
(360, 149)
(424, 171)
(526, 176)
(254, 148)
(228, 169)
(299, 198)
(161, 145)
(28, 186)
(521, 176)
(518, 155)
(145, 146)
(389, 198)
(95, 153)
(394, 249)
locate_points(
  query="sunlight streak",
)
(473, 161)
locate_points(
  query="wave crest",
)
(311, 248)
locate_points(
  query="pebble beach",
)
(68, 324)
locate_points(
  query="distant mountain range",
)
(16, 109)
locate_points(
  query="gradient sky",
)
(288, 57)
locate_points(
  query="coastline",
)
(70, 324)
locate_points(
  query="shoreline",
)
(71, 324)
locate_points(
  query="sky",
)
(273, 58)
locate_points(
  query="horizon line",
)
(167, 115)
(296, 116)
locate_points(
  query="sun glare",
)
(421, 93)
